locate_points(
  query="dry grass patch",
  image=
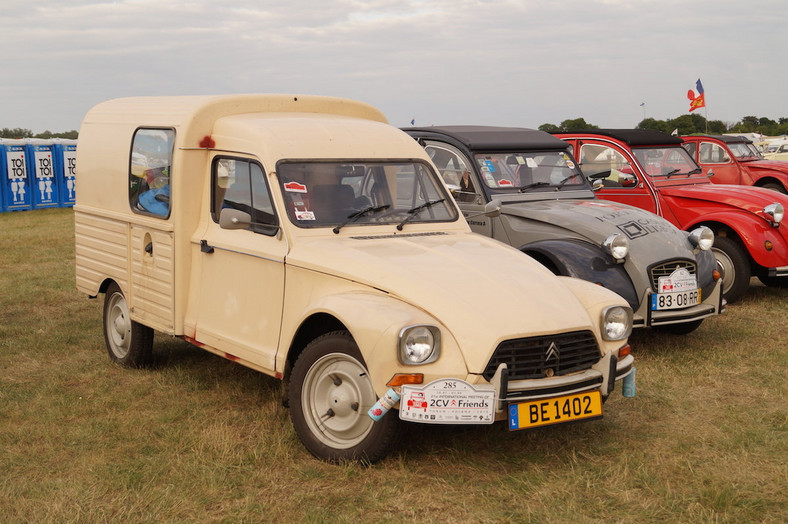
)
(200, 439)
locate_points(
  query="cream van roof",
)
(197, 109)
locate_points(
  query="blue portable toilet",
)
(15, 178)
(41, 167)
(65, 156)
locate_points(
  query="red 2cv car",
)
(652, 170)
(735, 160)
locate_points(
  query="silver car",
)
(548, 210)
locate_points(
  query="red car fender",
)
(753, 231)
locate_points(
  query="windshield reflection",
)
(666, 161)
(347, 194)
(530, 171)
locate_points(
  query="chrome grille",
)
(540, 357)
(667, 269)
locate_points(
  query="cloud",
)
(511, 62)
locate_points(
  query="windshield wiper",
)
(695, 171)
(371, 210)
(416, 210)
(567, 179)
(526, 187)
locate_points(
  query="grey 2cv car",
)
(548, 210)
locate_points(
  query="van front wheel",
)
(129, 343)
(329, 395)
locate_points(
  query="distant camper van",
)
(306, 238)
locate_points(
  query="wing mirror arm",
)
(710, 173)
(234, 219)
(491, 209)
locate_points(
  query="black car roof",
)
(632, 137)
(728, 139)
(490, 138)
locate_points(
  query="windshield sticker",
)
(489, 165)
(304, 215)
(505, 183)
(570, 164)
(530, 162)
(295, 187)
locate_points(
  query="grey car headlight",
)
(420, 344)
(617, 246)
(776, 211)
(702, 238)
(616, 323)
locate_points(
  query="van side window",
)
(149, 171)
(240, 184)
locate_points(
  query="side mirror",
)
(627, 180)
(597, 184)
(710, 173)
(492, 209)
(234, 219)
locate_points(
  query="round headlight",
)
(616, 323)
(617, 245)
(702, 238)
(419, 344)
(776, 211)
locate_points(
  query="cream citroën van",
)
(306, 238)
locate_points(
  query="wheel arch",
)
(768, 180)
(311, 328)
(586, 261)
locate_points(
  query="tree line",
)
(689, 124)
(684, 125)
(19, 132)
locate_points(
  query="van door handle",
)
(205, 247)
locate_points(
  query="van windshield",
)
(322, 194)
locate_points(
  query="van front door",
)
(240, 289)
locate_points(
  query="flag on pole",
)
(696, 102)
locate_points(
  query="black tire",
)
(774, 186)
(679, 329)
(734, 265)
(129, 343)
(778, 282)
(329, 395)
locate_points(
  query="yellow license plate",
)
(555, 410)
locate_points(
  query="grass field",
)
(200, 439)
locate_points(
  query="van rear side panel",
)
(102, 246)
(140, 258)
(152, 257)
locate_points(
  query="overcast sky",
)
(516, 62)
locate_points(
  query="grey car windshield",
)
(346, 194)
(529, 170)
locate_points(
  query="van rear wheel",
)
(329, 395)
(129, 343)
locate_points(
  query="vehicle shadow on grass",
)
(490, 446)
